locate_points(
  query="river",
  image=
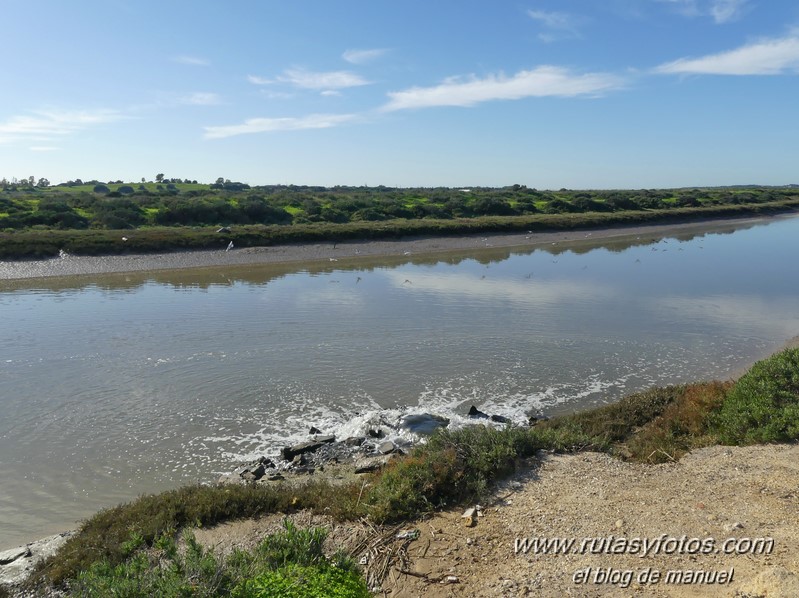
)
(115, 385)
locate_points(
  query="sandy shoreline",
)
(352, 251)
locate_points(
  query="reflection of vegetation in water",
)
(80, 218)
(261, 274)
(654, 426)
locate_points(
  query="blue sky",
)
(547, 93)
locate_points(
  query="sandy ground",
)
(713, 494)
(352, 250)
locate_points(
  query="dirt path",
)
(712, 494)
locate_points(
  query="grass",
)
(287, 564)
(657, 425)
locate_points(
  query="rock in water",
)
(423, 423)
(500, 419)
(298, 449)
(386, 447)
(476, 413)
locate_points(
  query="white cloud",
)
(256, 80)
(363, 56)
(724, 11)
(267, 125)
(331, 92)
(766, 57)
(44, 148)
(328, 80)
(539, 82)
(47, 124)
(201, 98)
(305, 79)
(560, 24)
(192, 60)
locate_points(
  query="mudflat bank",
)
(352, 251)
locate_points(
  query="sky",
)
(581, 94)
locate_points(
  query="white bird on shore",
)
(229, 246)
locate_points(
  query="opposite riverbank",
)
(352, 251)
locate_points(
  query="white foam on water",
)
(290, 424)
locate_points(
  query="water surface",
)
(116, 385)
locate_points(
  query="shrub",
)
(453, 465)
(304, 582)
(763, 406)
(599, 429)
(290, 563)
(685, 424)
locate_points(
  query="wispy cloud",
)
(766, 57)
(363, 56)
(325, 80)
(44, 125)
(268, 125)
(256, 80)
(722, 11)
(191, 60)
(306, 79)
(201, 98)
(559, 25)
(539, 82)
(44, 148)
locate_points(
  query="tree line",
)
(180, 202)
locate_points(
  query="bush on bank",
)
(763, 406)
(289, 564)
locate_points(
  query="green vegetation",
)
(289, 564)
(764, 404)
(90, 217)
(652, 426)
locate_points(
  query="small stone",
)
(355, 441)
(470, 517)
(275, 477)
(450, 579)
(327, 439)
(619, 523)
(469, 541)
(386, 447)
(733, 526)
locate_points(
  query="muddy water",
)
(118, 384)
